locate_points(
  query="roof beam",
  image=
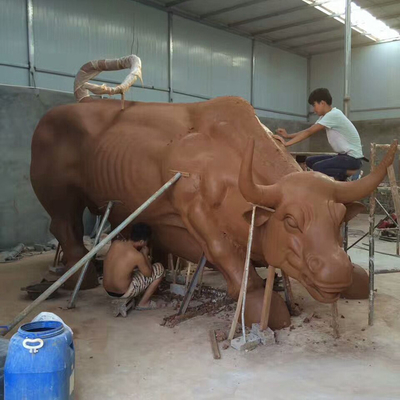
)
(232, 8)
(306, 34)
(353, 46)
(214, 24)
(175, 3)
(274, 14)
(309, 21)
(292, 25)
(389, 17)
(303, 7)
(253, 2)
(337, 29)
(332, 40)
(379, 5)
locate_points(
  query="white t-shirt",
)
(342, 134)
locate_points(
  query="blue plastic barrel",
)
(40, 363)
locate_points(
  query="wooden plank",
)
(335, 320)
(312, 153)
(267, 298)
(385, 146)
(214, 345)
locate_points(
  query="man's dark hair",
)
(318, 95)
(140, 231)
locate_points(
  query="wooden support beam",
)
(214, 345)
(267, 298)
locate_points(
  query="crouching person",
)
(128, 271)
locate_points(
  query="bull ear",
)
(261, 217)
(352, 210)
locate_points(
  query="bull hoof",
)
(89, 282)
(279, 316)
(359, 289)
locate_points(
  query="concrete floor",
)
(137, 358)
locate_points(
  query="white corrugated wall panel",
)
(70, 33)
(14, 76)
(210, 62)
(327, 71)
(13, 41)
(269, 114)
(375, 80)
(181, 98)
(13, 32)
(280, 81)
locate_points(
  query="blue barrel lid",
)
(41, 329)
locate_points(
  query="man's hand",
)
(282, 132)
(279, 139)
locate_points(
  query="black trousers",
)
(335, 166)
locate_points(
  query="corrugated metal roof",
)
(292, 25)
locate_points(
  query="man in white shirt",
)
(342, 136)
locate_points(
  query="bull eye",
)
(291, 222)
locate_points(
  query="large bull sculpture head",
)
(302, 236)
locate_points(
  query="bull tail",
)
(88, 71)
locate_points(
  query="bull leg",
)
(229, 259)
(67, 226)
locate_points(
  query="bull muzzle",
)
(325, 280)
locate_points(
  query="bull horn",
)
(267, 196)
(90, 70)
(346, 192)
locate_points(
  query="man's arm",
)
(299, 136)
(283, 133)
(143, 262)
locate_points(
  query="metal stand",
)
(372, 226)
(193, 284)
(72, 301)
(291, 305)
(89, 255)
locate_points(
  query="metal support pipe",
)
(246, 269)
(71, 303)
(31, 43)
(347, 68)
(170, 56)
(371, 263)
(345, 236)
(253, 62)
(362, 237)
(192, 286)
(89, 255)
(308, 87)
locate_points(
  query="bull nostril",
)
(315, 264)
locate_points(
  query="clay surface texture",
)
(85, 154)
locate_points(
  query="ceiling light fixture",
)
(361, 20)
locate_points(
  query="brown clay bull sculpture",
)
(85, 154)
